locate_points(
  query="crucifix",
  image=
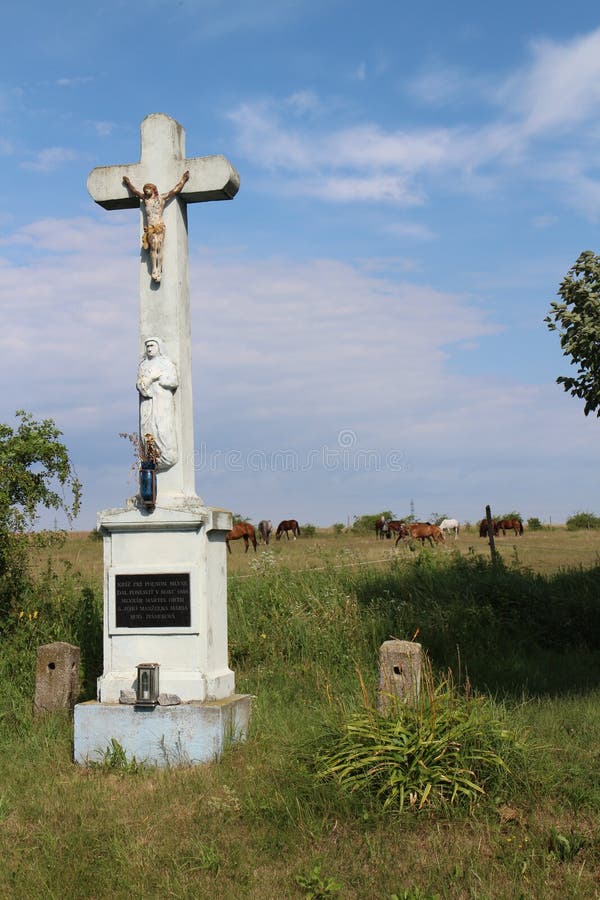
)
(168, 182)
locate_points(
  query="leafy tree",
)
(437, 518)
(577, 319)
(35, 471)
(582, 520)
(366, 524)
(513, 514)
(534, 524)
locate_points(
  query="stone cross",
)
(164, 306)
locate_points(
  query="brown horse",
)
(422, 531)
(286, 526)
(397, 528)
(265, 527)
(242, 530)
(483, 528)
(505, 525)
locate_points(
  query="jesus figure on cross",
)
(154, 230)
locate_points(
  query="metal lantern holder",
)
(147, 684)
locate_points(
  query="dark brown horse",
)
(398, 528)
(286, 526)
(265, 527)
(422, 531)
(381, 528)
(505, 525)
(242, 530)
(483, 528)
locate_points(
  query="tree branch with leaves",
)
(576, 317)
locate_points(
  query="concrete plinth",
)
(187, 734)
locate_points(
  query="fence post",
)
(490, 531)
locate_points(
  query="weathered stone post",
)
(399, 673)
(56, 677)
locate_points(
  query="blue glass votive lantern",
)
(148, 484)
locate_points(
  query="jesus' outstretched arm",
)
(178, 187)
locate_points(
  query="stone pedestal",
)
(165, 602)
(188, 734)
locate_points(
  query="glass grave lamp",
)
(151, 455)
(146, 693)
(148, 484)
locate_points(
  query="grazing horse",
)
(398, 528)
(422, 531)
(286, 526)
(265, 527)
(483, 528)
(242, 530)
(381, 528)
(510, 524)
(450, 525)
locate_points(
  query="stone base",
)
(187, 734)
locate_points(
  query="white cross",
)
(165, 306)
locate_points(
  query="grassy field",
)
(546, 551)
(305, 621)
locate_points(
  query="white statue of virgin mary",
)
(157, 382)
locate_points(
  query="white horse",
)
(450, 525)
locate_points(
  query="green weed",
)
(114, 759)
(318, 887)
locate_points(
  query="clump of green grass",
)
(115, 759)
(448, 748)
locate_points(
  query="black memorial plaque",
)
(153, 601)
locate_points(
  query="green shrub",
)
(581, 520)
(338, 527)
(366, 524)
(534, 524)
(308, 530)
(449, 748)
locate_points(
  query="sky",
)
(367, 313)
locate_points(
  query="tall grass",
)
(260, 824)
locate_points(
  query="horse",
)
(450, 525)
(422, 531)
(265, 527)
(286, 526)
(510, 524)
(398, 528)
(483, 528)
(242, 530)
(381, 528)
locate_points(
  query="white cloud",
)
(49, 159)
(102, 129)
(545, 221)
(74, 81)
(560, 88)
(413, 230)
(440, 84)
(302, 102)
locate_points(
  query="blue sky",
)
(368, 312)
